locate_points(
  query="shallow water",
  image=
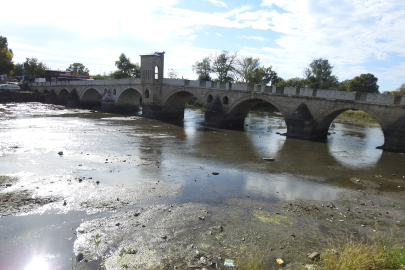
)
(120, 150)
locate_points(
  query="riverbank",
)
(193, 235)
(356, 117)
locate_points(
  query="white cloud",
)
(192, 37)
(255, 38)
(218, 34)
(218, 3)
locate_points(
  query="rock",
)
(164, 237)
(79, 257)
(203, 260)
(268, 159)
(215, 173)
(118, 224)
(60, 153)
(97, 182)
(64, 203)
(202, 218)
(314, 255)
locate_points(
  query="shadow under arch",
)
(129, 99)
(175, 104)
(62, 96)
(91, 98)
(239, 110)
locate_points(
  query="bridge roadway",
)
(308, 113)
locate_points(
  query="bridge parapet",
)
(106, 82)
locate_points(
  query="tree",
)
(6, 57)
(172, 73)
(223, 65)
(126, 69)
(343, 86)
(293, 82)
(319, 75)
(19, 70)
(247, 70)
(34, 68)
(365, 83)
(102, 77)
(78, 68)
(399, 91)
(203, 69)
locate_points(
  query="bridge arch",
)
(62, 96)
(239, 109)
(91, 97)
(128, 99)
(45, 92)
(243, 105)
(325, 119)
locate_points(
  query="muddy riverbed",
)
(140, 193)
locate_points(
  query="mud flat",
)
(194, 235)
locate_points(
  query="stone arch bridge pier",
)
(308, 113)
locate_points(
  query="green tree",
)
(223, 65)
(78, 68)
(365, 83)
(293, 82)
(399, 91)
(203, 69)
(343, 86)
(102, 77)
(6, 57)
(319, 75)
(19, 70)
(247, 70)
(34, 68)
(126, 69)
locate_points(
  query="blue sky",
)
(356, 36)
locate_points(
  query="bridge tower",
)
(152, 67)
(152, 70)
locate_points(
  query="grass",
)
(379, 252)
(357, 116)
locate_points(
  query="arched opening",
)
(129, 100)
(45, 91)
(146, 93)
(156, 72)
(91, 98)
(114, 92)
(353, 136)
(225, 100)
(62, 97)
(210, 98)
(259, 116)
(184, 105)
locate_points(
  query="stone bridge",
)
(308, 113)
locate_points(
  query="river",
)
(122, 150)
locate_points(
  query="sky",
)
(355, 36)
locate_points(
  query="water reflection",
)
(354, 146)
(289, 187)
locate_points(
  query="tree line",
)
(229, 67)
